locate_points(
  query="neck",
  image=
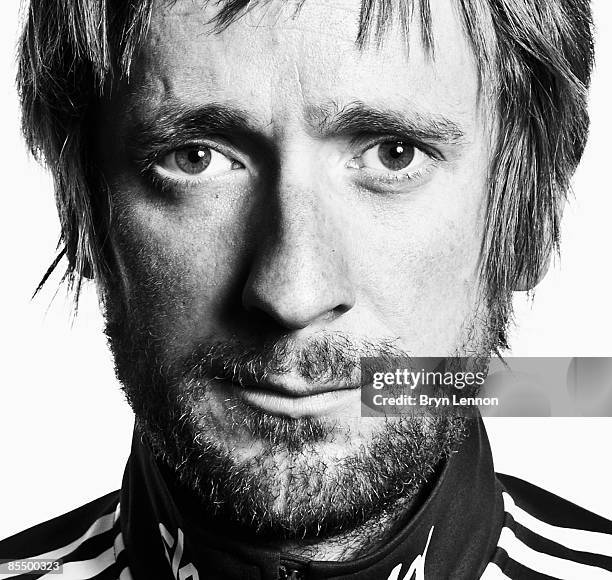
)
(360, 540)
(357, 542)
(347, 545)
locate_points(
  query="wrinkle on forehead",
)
(375, 18)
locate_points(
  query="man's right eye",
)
(197, 161)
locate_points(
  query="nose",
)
(299, 274)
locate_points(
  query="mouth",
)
(292, 397)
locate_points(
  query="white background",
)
(65, 429)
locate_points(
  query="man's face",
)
(284, 202)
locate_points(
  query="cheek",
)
(422, 274)
(177, 269)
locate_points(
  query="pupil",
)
(193, 160)
(397, 151)
(195, 156)
(396, 155)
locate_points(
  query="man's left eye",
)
(392, 156)
(197, 161)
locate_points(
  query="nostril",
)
(293, 305)
(343, 308)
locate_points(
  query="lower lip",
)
(319, 405)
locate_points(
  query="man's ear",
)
(84, 270)
(87, 271)
(529, 278)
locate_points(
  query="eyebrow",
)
(173, 124)
(360, 119)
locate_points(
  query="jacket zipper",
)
(290, 570)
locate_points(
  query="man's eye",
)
(196, 161)
(394, 156)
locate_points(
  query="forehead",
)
(279, 61)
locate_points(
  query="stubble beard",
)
(306, 480)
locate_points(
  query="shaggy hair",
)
(535, 59)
